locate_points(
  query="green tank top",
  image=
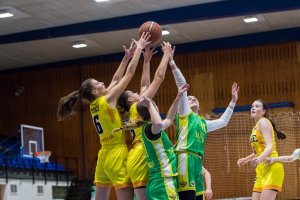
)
(191, 133)
(161, 159)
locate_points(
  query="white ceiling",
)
(43, 14)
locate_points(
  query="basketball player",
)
(161, 159)
(191, 132)
(110, 169)
(269, 178)
(136, 164)
(291, 158)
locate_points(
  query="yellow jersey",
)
(258, 143)
(106, 119)
(134, 115)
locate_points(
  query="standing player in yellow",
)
(191, 133)
(269, 178)
(110, 169)
(128, 102)
(291, 158)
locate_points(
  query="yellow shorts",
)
(269, 177)
(137, 166)
(111, 167)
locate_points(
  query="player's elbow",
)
(160, 76)
(157, 127)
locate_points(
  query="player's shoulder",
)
(264, 122)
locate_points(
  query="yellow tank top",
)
(106, 119)
(258, 143)
(134, 115)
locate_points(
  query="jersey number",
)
(97, 124)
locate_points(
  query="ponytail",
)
(66, 106)
(123, 104)
(280, 135)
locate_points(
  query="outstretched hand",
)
(235, 91)
(143, 41)
(130, 51)
(166, 47)
(183, 89)
(148, 53)
(172, 53)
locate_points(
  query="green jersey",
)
(161, 159)
(191, 132)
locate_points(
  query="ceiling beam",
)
(220, 9)
(263, 38)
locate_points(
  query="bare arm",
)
(266, 130)
(160, 72)
(115, 92)
(120, 71)
(244, 161)
(174, 107)
(157, 123)
(145, 81)
(290, 158)
(283, 159)
(207, 178)
(213, 125)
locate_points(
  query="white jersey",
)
(296, 154)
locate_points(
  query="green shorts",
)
(190, 173)
(164, 188)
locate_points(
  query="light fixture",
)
(165, 32)
(5, 14)
(79, 44)
(250, 19)
(101, 0)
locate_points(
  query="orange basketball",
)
(153, 28)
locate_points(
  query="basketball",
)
(153, 28)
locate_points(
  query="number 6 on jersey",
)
(97, 124)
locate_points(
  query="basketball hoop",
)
(43, 156)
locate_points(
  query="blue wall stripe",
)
(286, 104)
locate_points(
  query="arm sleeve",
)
(183, 108)
(296, 154)
(149, 133)
(213, 125)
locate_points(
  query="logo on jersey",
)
(192, 183)
(182, 183)
(107, 138)
(95, 109)
(253, 139)
(150, 164)
(172, 196)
